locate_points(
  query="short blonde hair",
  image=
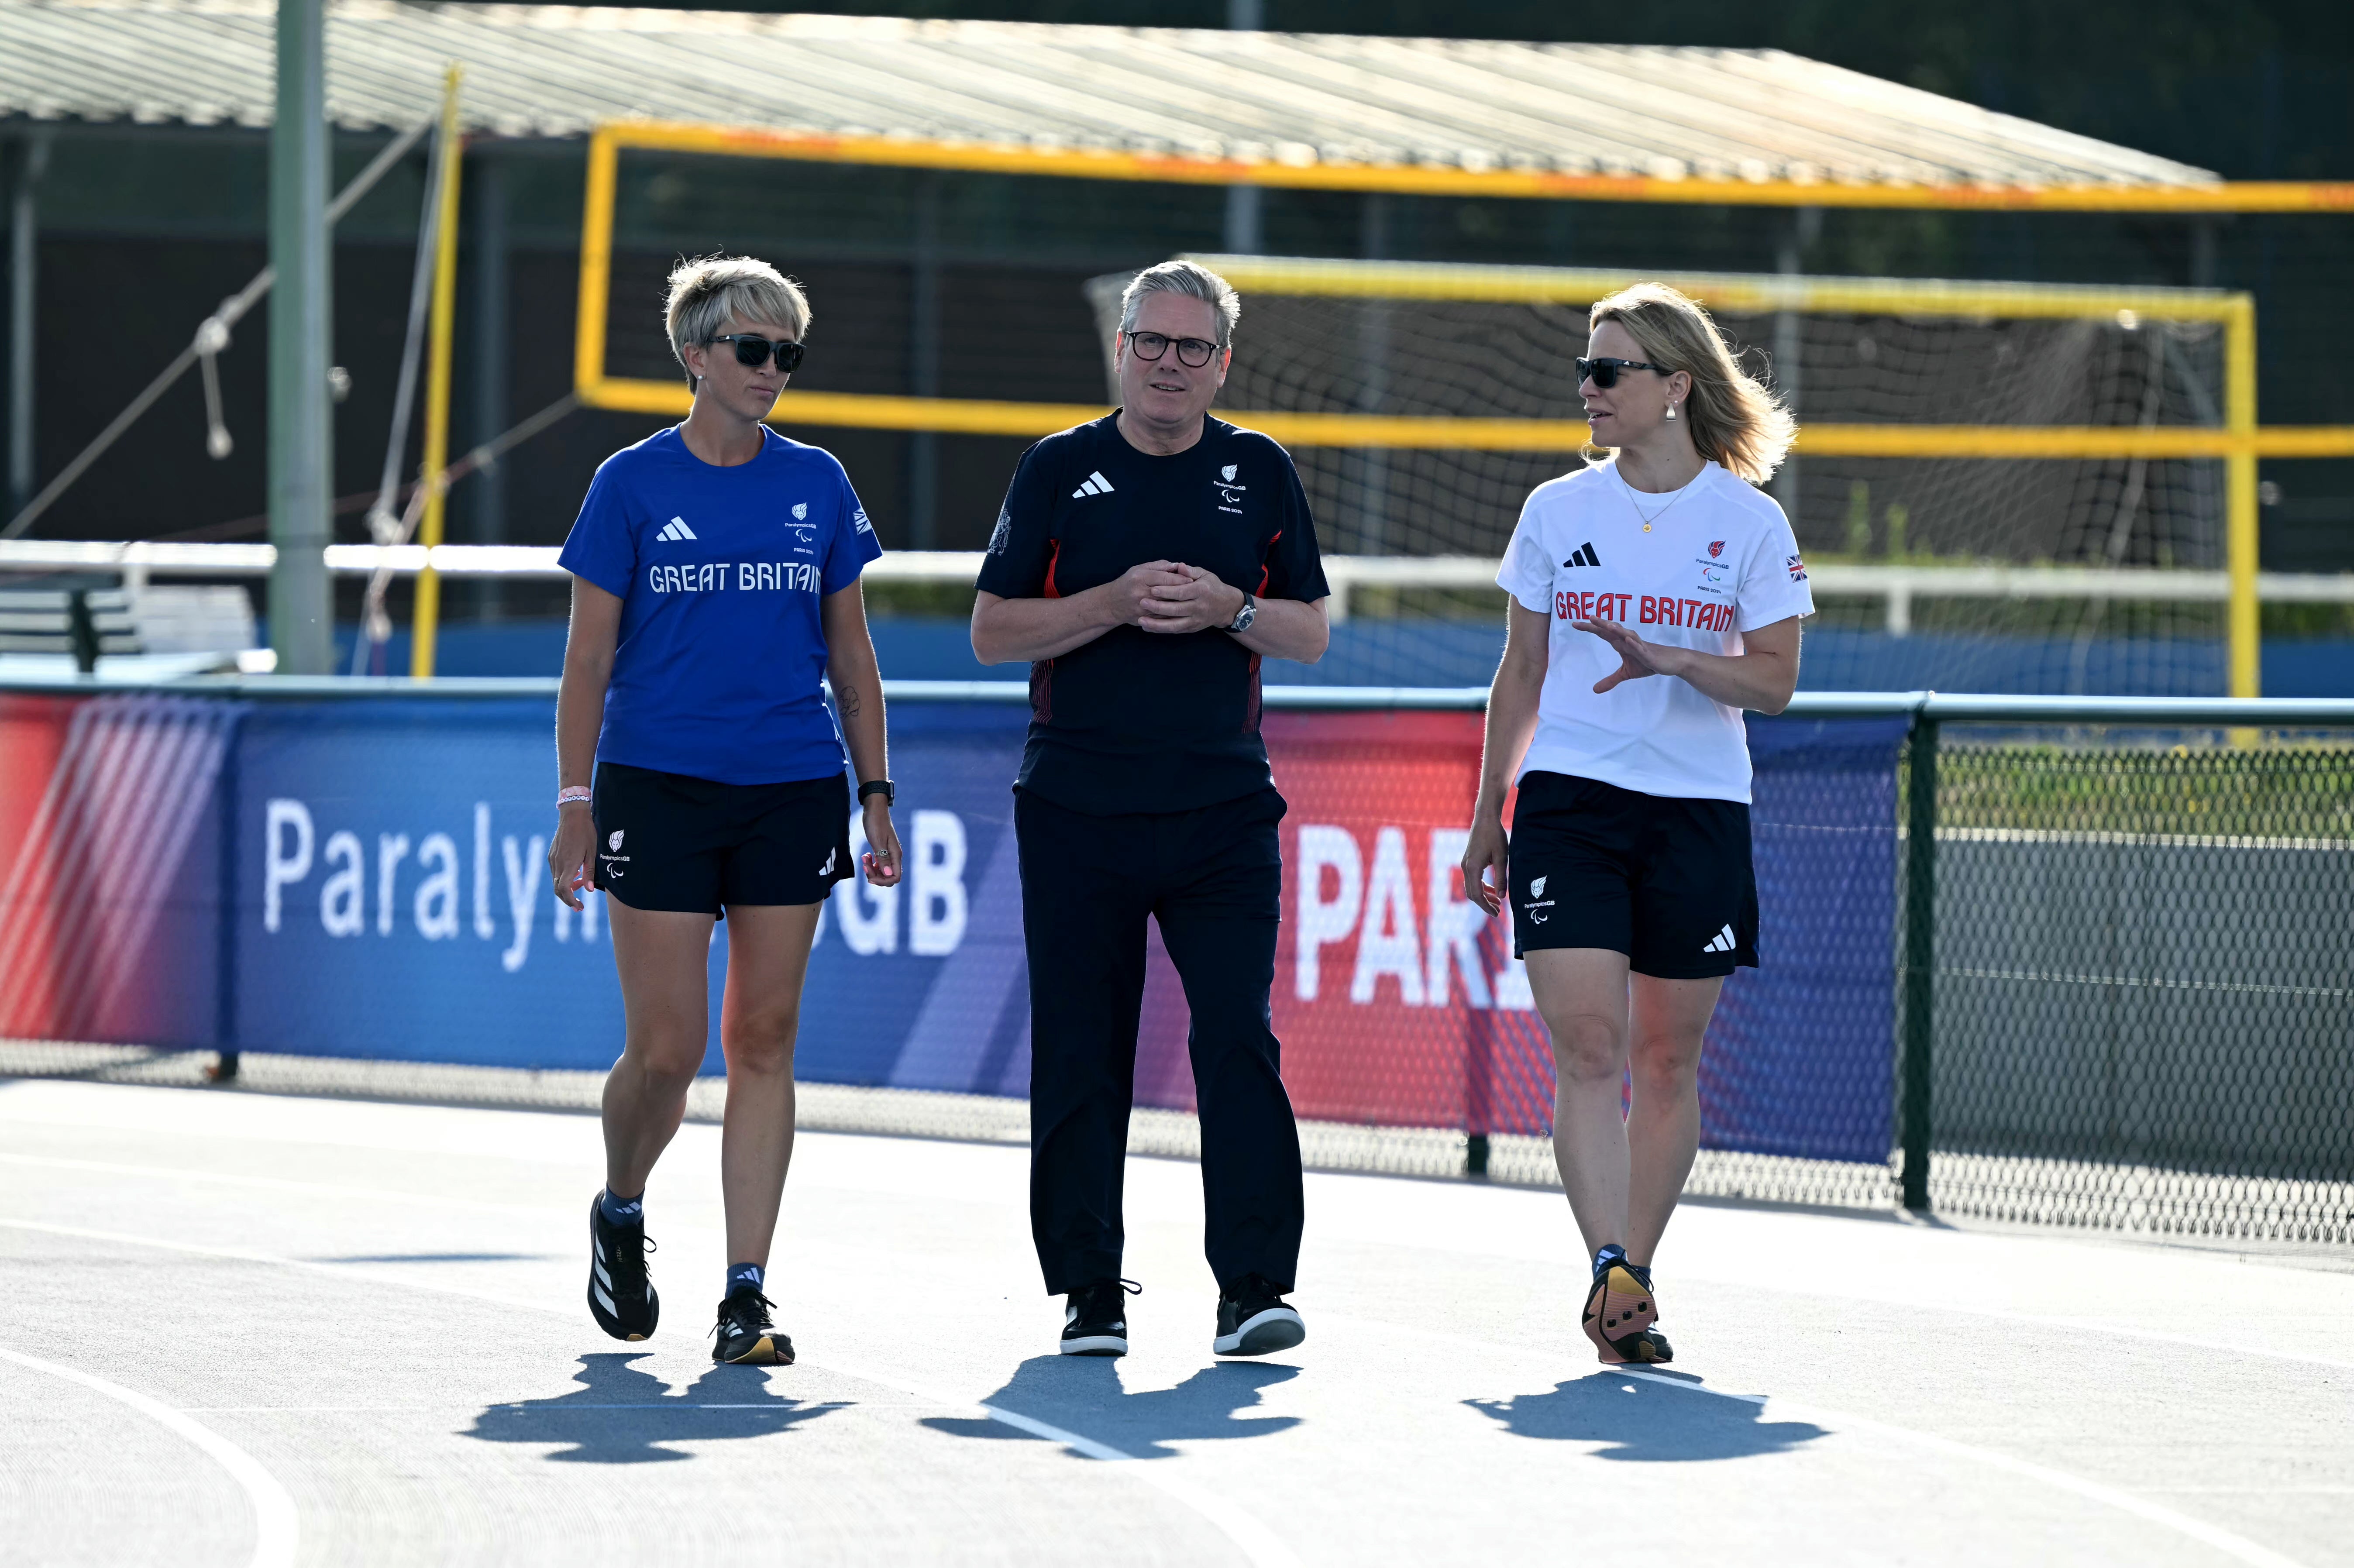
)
(1736, 419)
(704, 293)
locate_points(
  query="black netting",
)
(2143, 993)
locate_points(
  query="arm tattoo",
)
(846, 698)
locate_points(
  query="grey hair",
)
(1183, 278)
(704, 293)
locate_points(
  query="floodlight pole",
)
(302, 600)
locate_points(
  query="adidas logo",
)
(1584, 556)
(1722, 942)
(675, 530)
(1097, 484)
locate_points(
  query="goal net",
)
(1998, 488)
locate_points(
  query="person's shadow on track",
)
(1647, 1419)
(620, 1415)
(1083, 1394)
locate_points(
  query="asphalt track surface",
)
(250, 1329)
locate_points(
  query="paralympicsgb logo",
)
(613, 842)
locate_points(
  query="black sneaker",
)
(1255, 1321)
(1094, 1319)
(621, 1297)
(745, 1336)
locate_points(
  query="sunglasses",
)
(753, 352)
(1193, 351)
(1604, 373)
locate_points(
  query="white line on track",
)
(275, 1528)
(1258, 1544)
(389, 1195)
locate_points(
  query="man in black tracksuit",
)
(1144, 563)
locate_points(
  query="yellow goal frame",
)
(2239, 442)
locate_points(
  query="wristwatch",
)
(877, 787)
(1246, 615)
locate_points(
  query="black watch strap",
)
(877, 787)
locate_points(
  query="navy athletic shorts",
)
(1666, 881)
(666, 840)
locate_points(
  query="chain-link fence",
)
(2136, 998)
(2048, 960)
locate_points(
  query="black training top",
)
(1136, 720)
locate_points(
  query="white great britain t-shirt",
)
(1719, 560)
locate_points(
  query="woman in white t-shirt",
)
(1655, 596)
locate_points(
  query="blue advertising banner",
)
(394, 903)
(366, 877)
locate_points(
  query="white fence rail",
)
(1896, 587)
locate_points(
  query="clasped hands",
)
(1170, 596)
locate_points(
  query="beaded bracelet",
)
(579, 792)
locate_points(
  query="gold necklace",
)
(1652, 517)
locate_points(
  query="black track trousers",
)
(1213, 878)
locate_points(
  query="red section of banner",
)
(32, 738)
(98, 811)
(1396, 999)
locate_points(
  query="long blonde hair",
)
(1735, 419)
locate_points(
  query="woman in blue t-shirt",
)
(715, 581)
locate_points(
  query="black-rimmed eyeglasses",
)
(1604, 373)
(1196, 352)
(752, 352)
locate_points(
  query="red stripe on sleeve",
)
(1052, 591)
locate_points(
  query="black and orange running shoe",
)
(745, 1336)
(1620, 1313)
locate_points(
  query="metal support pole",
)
(1244, 236)
(2202, 253)
(1920, 959)
(924, 364)
(302, 601)
(491, 379)
(24, 257)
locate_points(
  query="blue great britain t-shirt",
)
(719, 571)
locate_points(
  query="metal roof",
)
(1284, 99)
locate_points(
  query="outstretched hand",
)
(1636, 658)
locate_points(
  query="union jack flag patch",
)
(1798, 567)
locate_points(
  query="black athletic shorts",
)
(666, 840)
(1665, 880)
